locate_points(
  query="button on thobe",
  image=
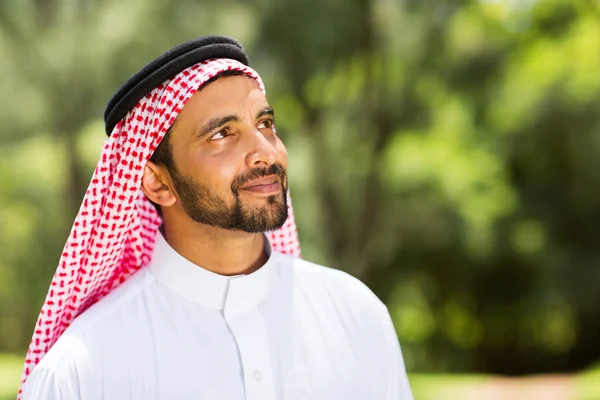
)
(248, 328)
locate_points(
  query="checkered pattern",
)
(113, 234)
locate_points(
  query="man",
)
(180, 278)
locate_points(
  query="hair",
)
(162, 154)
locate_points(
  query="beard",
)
(206, 207)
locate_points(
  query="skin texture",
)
(217, 172)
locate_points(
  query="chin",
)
(265, 218)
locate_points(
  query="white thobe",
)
(291, 330)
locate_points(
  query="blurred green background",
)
(445, 152)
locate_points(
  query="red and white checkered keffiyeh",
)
(113, 234)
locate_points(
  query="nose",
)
(263, 153)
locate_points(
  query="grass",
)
(10, 375)
(444, 386)
(584, 386)
(588, 384)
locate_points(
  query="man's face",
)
(229, 162)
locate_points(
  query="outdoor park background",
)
(445, 152)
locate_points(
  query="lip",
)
(268, 184)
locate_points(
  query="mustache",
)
(273, 169)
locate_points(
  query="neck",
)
(217, 250)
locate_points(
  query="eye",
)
(222, 134)
(266, 124)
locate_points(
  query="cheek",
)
(282, 156)
(215, 171)
(219, 172)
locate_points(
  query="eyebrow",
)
(266, 111)
(218, 122)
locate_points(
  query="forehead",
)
(224, 96)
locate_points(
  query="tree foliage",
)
(444, 152)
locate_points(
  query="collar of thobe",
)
(206, 288)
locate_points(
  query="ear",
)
(155, 185)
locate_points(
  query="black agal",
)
(166, 66)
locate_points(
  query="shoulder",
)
(42, 384)
(79, 347)
(110, 308)
(342, 290)
(57, 374)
